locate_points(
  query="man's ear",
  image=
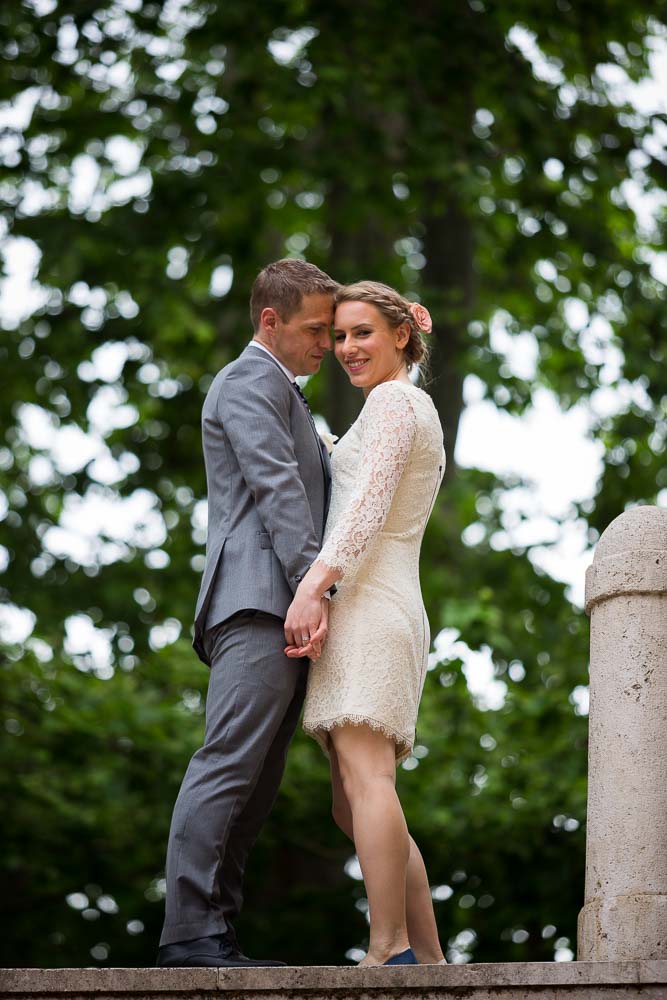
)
(268, 320)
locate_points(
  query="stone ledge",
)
(493, 981)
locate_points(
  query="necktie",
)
(324, 459)
(302, 397)
(310, 416)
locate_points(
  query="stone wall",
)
(507, 981)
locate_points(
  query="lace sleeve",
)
(388, 430)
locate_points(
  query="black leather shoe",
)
(219, 951)
(231, 949)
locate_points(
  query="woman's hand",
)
(304, 618)
(307, 620)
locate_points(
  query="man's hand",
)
(307, 641)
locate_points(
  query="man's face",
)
(302, 341)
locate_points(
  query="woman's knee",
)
(361, 778)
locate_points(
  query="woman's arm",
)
(389, 427)
(388, 431)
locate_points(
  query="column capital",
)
(630, 557)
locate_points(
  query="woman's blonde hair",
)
(394, 308)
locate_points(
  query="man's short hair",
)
(282, 286)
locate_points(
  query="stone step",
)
(503, 981)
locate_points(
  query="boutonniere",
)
(329, 440)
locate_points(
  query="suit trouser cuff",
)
(207, 927)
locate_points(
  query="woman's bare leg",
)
(366, 760)
(420, 917)
(422, 928)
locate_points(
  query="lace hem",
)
(331, 568)
(320, 729)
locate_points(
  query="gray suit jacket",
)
(269, 482)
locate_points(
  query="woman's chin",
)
(361, 379)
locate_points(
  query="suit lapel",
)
(324, 456)
(327, 483)
(322, 451)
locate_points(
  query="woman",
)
(364, 688)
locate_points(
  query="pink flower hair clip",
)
(421, 317)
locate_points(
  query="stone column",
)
(625, 909)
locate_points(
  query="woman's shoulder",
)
(404, 407)
(390, 393)
(400, 397)
(389, 413)
(388, 402)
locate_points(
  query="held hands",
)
(306, 625)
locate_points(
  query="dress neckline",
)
(397, 381)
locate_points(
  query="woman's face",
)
(368, 348)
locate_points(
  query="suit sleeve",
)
(253, 407)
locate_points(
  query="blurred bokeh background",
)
(505, 164)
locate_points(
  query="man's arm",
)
(253, 406)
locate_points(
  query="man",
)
(268, 481)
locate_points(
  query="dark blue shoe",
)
(406, 957)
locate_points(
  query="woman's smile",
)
(357, 364)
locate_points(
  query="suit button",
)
(298, 579)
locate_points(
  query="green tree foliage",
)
(476, 155)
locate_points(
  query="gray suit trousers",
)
(254, 699)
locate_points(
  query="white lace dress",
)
(386, 473)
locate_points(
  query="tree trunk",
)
(449, 293)
(355, 254)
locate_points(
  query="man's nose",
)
(326, 341)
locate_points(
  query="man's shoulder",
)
(256, 362)
(252, 368)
